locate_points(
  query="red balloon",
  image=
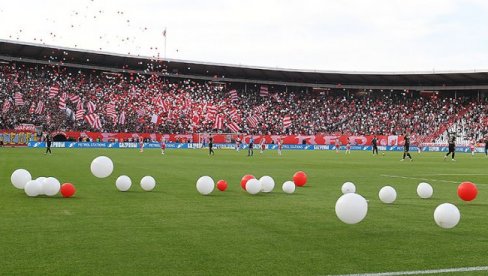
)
(222, 185)
(68, 190)
(467, 191)
(244, 180)
(300, 178)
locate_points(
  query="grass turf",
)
(175, 230)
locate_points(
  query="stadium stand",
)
(82, 98)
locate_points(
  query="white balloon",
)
(51, 186)
(148, 183)
(41, 181)
(205, 185)
(33, 188)
(288, 187)
(20, 177)
(348, 187)
(447, 215)
(267, 183)
(253, 186)
(424, 190)
(351, 208)
(123, 183)
(387, 194)
(102, 167)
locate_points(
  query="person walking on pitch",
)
(452, 146)
(406, 148)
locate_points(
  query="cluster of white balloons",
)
(102, 167)
(123, 183)
(22, 179)
(266, 184)
(351, 208)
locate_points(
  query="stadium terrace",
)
(64, 89)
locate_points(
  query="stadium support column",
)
(245, 88)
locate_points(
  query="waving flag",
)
(260, 109)
(212, 110)
(80, 112)
(122, 118)
(286, 122)
(74, 98)
(18, 99)
(110, 111)
(253, 121)
(158, 101)
(234, 127)
(263, 92)
(233, 95)
(94, 121)
(219, 122)
(6, 106)
(91, 107)
(62, 102)
(40, 107)
(53, 91)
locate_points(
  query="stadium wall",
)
(155, 145)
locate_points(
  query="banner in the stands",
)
(359, 140)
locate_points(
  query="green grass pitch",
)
(174, 230)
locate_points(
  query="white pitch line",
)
(421, 272)
(455, 174)
(425, 179)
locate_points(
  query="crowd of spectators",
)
(473, 125)
(149, 103)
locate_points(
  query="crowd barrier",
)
(154, 145)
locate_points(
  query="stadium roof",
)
(28, 52)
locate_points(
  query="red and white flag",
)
(53, 91)
(158, 101)
(18, 99)
(6, 106)
(91, 107)
(62, 102)
(219, 122)
(286, 122)
(94, 121)
(141, 112)
(253, 121)
(212, 110)
(74, 98)
(80, 112)
(233, 95)
(263, 92)
(164, 107)
(40, 107)
(234, 127)
(122, 118)
(260, 109)
(110, 111)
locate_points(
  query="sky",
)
(328, 35)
